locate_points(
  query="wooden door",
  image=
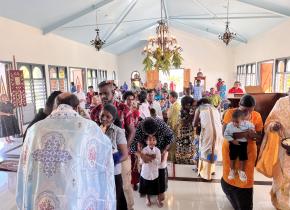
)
(266, 70)
(186, 78)
(152, 78)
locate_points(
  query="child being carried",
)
(238, 147)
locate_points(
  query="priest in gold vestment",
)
(273, 160)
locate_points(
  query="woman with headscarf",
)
(239, 193)
(208, 118)
(8, 122)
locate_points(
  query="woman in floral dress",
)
(185, 148)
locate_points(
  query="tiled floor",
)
(181, 195)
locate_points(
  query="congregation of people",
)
(93, 150)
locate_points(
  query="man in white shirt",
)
(154, 104)
(81, 96)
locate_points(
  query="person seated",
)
(236, 89)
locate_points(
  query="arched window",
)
(37, 73)
(281, 66)
(114, 77)
(92, 78)
(288, 66)
(282, 77)
(26, 73)
(35, 86)
(89, 73)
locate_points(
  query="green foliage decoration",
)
(148, 62)
(176, 59)
(162, 61)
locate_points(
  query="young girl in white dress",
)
(149, 182)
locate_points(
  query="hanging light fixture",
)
(97, 42)
(227, 36)
(162, 51)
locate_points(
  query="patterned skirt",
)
(185, 148)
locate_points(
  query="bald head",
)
(68, 99)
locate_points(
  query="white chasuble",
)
(66, 164)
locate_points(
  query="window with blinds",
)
(251, 77)
(58, 78)
(4, 88)
(92, 78)
(103, 75)
(247, 74)
(114, 76)
(35, 87)
(8, 65)
(241, 74)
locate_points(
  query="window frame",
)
(94, 78)
(31, 81)
(114, 75)
(243, 76)
(7, 65)
(284, 74)
(57, 68)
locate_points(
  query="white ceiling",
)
(126, 24)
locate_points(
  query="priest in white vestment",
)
(66, 163)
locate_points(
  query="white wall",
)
(129, 62)
(211, 56)
(272, 44)
(30, 46)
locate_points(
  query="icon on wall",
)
(135, 75)
(135, 79)
(77, 76)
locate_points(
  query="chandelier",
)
(162, 51)
(227, 36)
(97, 42)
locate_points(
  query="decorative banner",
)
(17, 88)
(3, 78)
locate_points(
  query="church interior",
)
(219, 56)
